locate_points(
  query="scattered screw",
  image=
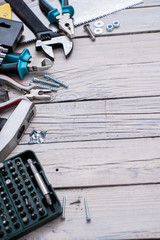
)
(77, 201)
(46, 87)
(55, 80)
(63, 208)
(89, 31)
(37, 80)
(43, 133)
(88, 218)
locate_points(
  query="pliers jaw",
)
(65, 23)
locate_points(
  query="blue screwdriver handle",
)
(16, 63)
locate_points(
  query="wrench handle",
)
(27, 16)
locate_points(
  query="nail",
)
(88, 218)
(63, 208)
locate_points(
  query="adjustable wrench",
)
(46, 38)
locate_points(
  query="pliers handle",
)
(65, 21)
(52, 12)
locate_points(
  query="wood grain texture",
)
(103, 131)
(112, 67)
(116, 213)
(97, 120)
(99, 163)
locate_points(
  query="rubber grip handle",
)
(65, 3)
(27, 16)
(45, 6)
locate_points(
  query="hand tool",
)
(29, 91)
(17, 123)
(65, 21)
(40, 182)
(46, 39)
(22, 64)
(5, 11)
(11, 32)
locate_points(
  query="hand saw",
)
(5, 11)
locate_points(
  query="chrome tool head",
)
(47, 45)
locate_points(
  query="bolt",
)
(89, 31)
(37, 80)
(88, 218)
(55, 80)
(63, 208)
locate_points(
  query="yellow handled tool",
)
(5, 11)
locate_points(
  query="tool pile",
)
(27, 200)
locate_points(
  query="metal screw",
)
(43, 133)
(77, 201)
(46, 87)
(37, 80)
(88, 218)
(55, 80)
(89, 31)
(63, 208)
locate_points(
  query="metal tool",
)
(15, 126)
(5, 11)
(89, 31)
(40, 182)
(88, 218)
(29, 90)
(65, 21)
(55, 80)
(46, 39)
(11, 32)
(23, 63)
(63, 208)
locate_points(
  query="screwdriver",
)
(40, 182)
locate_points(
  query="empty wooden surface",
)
(103, 140)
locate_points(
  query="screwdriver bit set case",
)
(23, 204)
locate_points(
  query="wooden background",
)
(103, 131)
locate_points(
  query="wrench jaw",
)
(46, 46)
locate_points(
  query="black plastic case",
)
(22, 205)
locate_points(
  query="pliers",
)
(29, 91)
(22, 64)
(65, 21)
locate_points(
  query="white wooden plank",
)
(99, 163)
(96, 120)
(116, 213)
(112, 67)
(132, 20)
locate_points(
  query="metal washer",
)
(99, 24)
(98, 31)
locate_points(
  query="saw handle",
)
(27, 16)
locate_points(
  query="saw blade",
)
(5, 11)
